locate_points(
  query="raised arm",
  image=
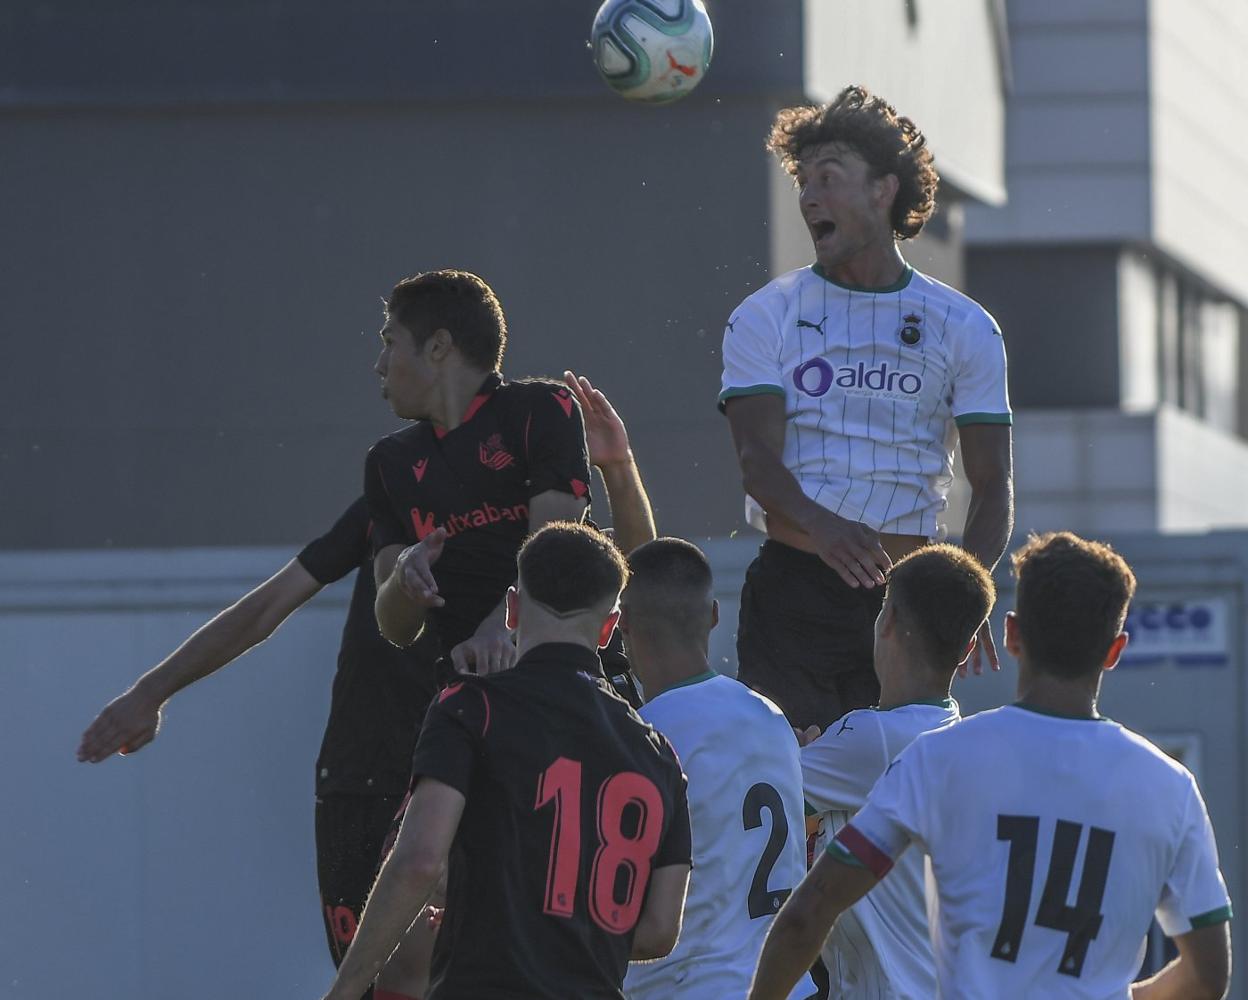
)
(849, 547)
(609, 451)
(131, 721)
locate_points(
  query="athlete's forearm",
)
(769, 482)
(399, 618)
(1176, 981)
(791, 947)
(989, 521)
(399, 895)
(631, 515)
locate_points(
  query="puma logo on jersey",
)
(732, 323)
(844, 726)
(418, 469)
(805, 324)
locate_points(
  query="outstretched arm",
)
(132, 720)
(609, 451)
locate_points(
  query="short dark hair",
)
(1072, 602)
(669, 580)
(945, 593)
(459, 302)
(569, 566)
(869, 125)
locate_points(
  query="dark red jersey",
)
(518, 439)
(572, 802)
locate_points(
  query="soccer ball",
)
(654, 51)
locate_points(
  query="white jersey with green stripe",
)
(875, 383)
(880, 949)
(1052, 841)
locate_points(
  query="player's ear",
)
(1013, 643)
(513, 607)
(439, 344)
(714, 613)
(886, 188)
(608, 626)
(1115, 651)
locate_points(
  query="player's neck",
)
(879, 265)
(662, 669)
(907, 689)
(457, 388)
(1058, 696)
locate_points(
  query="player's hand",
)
(852, 549)
(490, 650)
(127, 723)
(984, 651)
(415, 569)
(605, 434)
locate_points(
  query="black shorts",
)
(805, 637)
(350, 831)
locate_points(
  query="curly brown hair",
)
(1072, 602)
(869, 125)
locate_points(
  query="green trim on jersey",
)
(984, 418)
(749, 390)
(706, 675)
(1061, 715)
(896, 286)
(947, 703)
(843, 856)
(1219, 916)
(810, 810)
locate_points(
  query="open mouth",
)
(820, 229)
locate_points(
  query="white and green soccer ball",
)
(653, 51)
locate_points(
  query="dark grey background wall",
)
(202, 204)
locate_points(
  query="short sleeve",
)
(839, 768)
(1194, 894)
(980, 393)
(891, 819)
(387, 527)
(554, 442)
(343, 548)
(677, 845)
(751, 354)
(450, 738)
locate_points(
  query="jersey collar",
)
(948, 704)
(566, 655)
(1060, 715)
(706, 675)
(896, 286)
(487, 389)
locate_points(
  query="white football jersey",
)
(881, 948)
(1052, 841)
(749, 841)
(874, 384)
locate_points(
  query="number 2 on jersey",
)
(764, 902)
(622, 861)
(1082, 922)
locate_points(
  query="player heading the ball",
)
(847, 385)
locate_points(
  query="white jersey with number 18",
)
(1052, 842)
(745, 810)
